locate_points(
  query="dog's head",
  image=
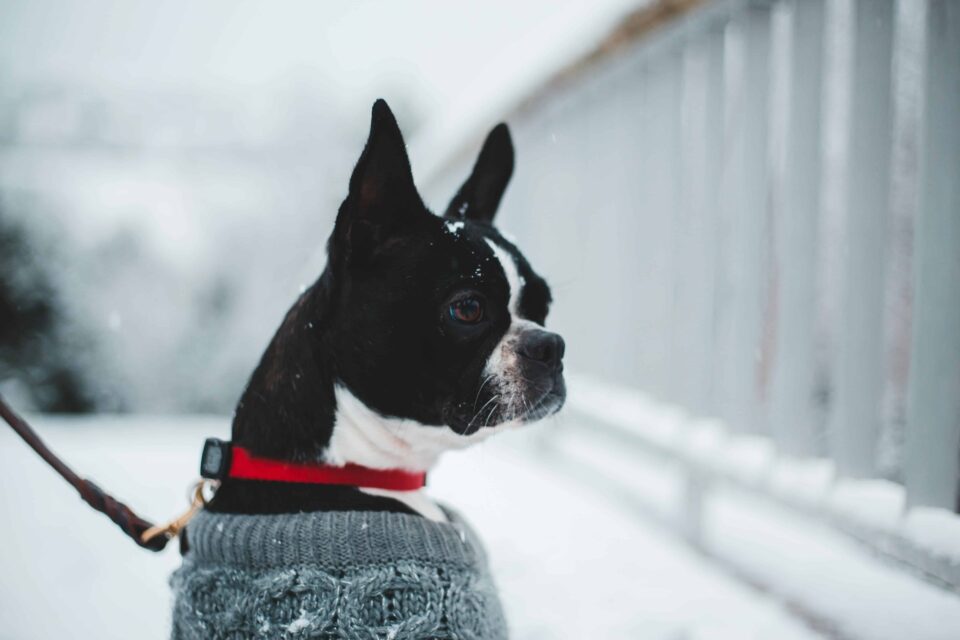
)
(438, 320)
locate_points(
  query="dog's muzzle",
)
(540, 360)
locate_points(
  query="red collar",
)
(246, 466)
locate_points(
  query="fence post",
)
(792, 415)
(663, 175)
(688, 232)
(713, 160)
(932, 461)
(701, 149)
(859, 383)
(745, 219)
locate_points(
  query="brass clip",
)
(172, 529)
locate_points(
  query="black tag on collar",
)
(215, 460)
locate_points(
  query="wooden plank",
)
(744, 225)
(662, 176)
(859, 381)
(793, 414)
(701, 158)
(933, 415)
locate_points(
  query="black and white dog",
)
(423, 334)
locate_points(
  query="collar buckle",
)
(215, 459)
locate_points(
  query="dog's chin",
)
(546, 401)
(548, 405)
(533, 402)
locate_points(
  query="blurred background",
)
(169, 174)
(749, 211)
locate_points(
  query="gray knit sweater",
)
(350, 574)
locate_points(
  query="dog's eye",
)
(466, 310)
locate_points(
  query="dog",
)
(423, 334)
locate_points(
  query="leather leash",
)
(144, 533)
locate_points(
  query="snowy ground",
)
(570, 562)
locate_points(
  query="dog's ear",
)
(480, 195)
(382, 199)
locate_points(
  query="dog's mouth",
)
(539, 399)
(521, 401)
(549, 402)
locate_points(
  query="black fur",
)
(479, 197)
(256, 496)
(376, 322)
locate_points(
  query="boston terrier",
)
(422, 334)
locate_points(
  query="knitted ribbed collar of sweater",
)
(338, 574)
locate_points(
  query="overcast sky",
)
(431, 49)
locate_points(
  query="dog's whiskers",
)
(482, 385)
(486, 422)
(477, 414)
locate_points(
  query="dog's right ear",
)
(383, 198)
(480, 195)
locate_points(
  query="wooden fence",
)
(750, 213)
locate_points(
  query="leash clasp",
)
(172, 529)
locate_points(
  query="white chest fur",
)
(418, 500)
(362, 436)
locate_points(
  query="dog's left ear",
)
(480, 195)
(383, 199)
(382, 180)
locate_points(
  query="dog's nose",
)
(543, 347)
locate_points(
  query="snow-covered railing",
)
(707, 455)
(750, 210)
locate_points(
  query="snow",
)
(454, 227)
(823, 574)
(301, 623)
(873, 507)
(748, 458)
(617, 468)
(570, 562)
(704, 441)
(634, 410)
(819, 570)
(576, 553)
(875, 503)
(935, 529)
(803, 481)
(791, 526)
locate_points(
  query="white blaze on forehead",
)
(502, 366)
(514, 280)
